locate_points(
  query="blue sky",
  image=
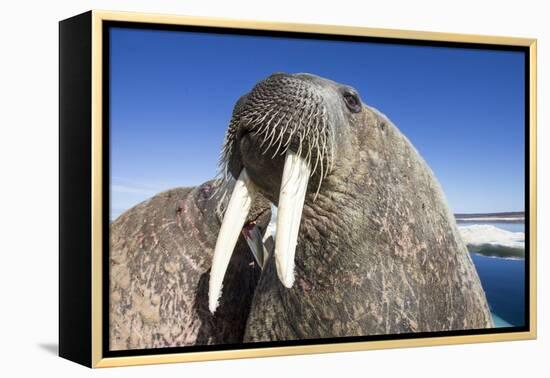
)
(172, 94)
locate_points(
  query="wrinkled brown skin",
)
(378, 250)
(160, 258)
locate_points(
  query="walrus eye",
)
(352, 102)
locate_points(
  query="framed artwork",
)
(235, 189)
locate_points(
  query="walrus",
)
(365, 242)
(160, 258)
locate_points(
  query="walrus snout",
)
(282, 113)
(281, 142)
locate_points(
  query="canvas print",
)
(271, 189)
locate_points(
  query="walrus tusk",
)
(233, 221)
(296, 174)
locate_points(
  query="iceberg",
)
(492, 241)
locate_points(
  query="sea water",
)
(503, 279)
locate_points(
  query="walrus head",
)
(283, 140)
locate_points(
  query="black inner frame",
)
(107, 25)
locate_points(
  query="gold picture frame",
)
(85, 35)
